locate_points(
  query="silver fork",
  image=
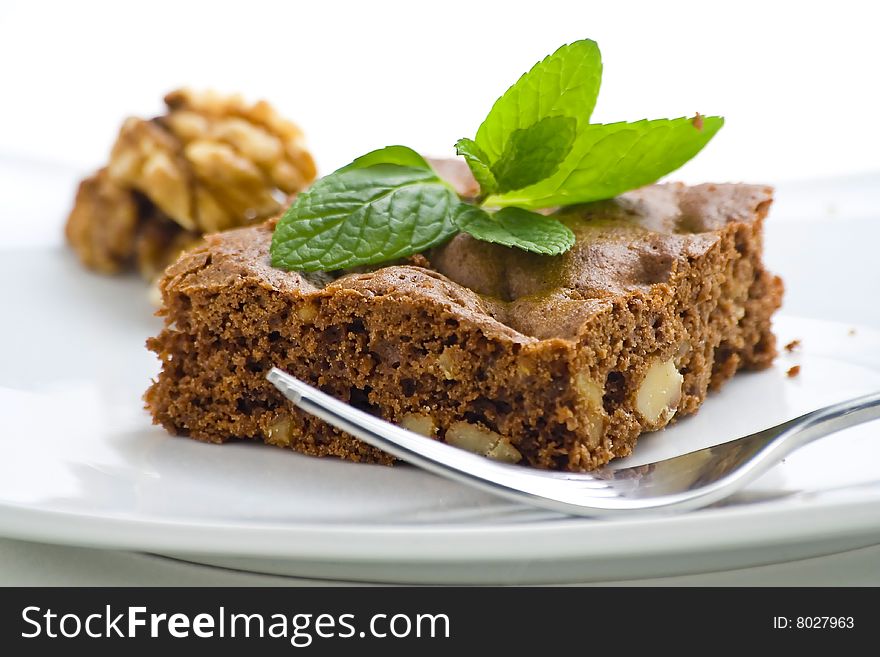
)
(684, 482)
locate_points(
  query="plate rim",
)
(748, 526)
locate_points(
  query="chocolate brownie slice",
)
(557, 362)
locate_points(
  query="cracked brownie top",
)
(626, 245)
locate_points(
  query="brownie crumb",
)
(791, 346)
(793, 371)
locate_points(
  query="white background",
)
(797, 81)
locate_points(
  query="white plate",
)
(80, 463)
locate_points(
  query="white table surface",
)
(821, 238)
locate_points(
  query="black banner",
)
(276, 621)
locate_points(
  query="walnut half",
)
(212, 162)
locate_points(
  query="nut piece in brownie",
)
(210, 163)
(557, 362)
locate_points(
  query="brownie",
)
(556, 362)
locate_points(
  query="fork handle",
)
(825, 421)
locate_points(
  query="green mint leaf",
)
(516, 227)
(565, 83)
(607, 160)
(534, 153)
(399, 155)
(478, 164)
(364, 216)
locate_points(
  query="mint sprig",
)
(536, 149)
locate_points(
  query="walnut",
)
(103, 224)
(212, 162)
(280, 431)
(421, 423)
(659, 393)
(257, 131)
(480, 440)
(159, 242)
